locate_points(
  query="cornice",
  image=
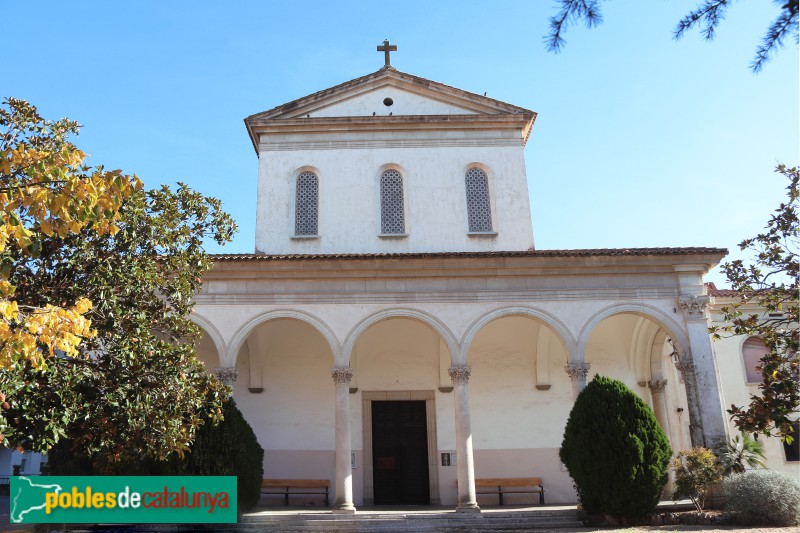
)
(299, 113)
(261, 129)
(545, 263)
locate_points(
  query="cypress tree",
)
(615, 451)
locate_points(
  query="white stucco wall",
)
(737, 391)
(433, 171)
(404, 103)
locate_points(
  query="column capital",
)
(226, 374)
(460, 373)
(685, 365)
(577, 371)
(657, 386)
(695, 307)
(342, 374)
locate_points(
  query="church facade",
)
(397, 332)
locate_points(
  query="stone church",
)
(396, 331)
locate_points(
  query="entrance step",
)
(416, 522)
(375, 521)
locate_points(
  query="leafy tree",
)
(696, 471)
(770, 282)
(615, 450)
(45, 190)
(738, 453)
(706, 17)
(133, 388)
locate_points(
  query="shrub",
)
(763, 498)
(228, 449)
(615, 451)
(696, 471)
(738, 453)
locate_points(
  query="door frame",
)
(367, 397)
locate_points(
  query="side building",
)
(738, 357)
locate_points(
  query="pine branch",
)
(783, 25)
(710, 14)
(571, 10)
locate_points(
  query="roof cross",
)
(387, 49)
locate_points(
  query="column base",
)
(468, 508)
(344, 508)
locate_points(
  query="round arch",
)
(674, 329)
(545, 318)
(213, 333)
(415, 314)
(243, 332)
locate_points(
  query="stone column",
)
(227, 375)
(344, 473)
(467, 501)
(705, 375)
(686, 367)
(657, 387)
(577, 372)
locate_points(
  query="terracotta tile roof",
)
(721, 293)
(592, 252)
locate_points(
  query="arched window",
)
(392, 215)
(479, 208)
(753, 350)
(306, 202)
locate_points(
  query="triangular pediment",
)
(389, 91)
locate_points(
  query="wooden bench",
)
(510, 485)
(287, 487)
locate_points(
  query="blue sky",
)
(640, 140)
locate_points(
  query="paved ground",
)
(5, 526)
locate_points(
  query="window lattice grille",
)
(479, 209)
(306, 202)
(392, 216)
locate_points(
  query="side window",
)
(306, 204)
(792, 450)
(392, 210)
(479, 207)
(753, 350)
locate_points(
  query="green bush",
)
(228, 449)
(615, 451)
(763, 498)
(696, 471)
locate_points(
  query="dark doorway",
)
(400, 453)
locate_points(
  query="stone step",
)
(380, 522)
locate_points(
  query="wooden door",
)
(400, 452)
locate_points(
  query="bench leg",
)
(541, 497)
(500, 490)
(286, 498)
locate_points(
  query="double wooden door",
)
(400, 452)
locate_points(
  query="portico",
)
(499, 366)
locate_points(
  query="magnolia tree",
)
(116, 373)
(770, 282)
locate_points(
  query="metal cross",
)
(387, 49)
